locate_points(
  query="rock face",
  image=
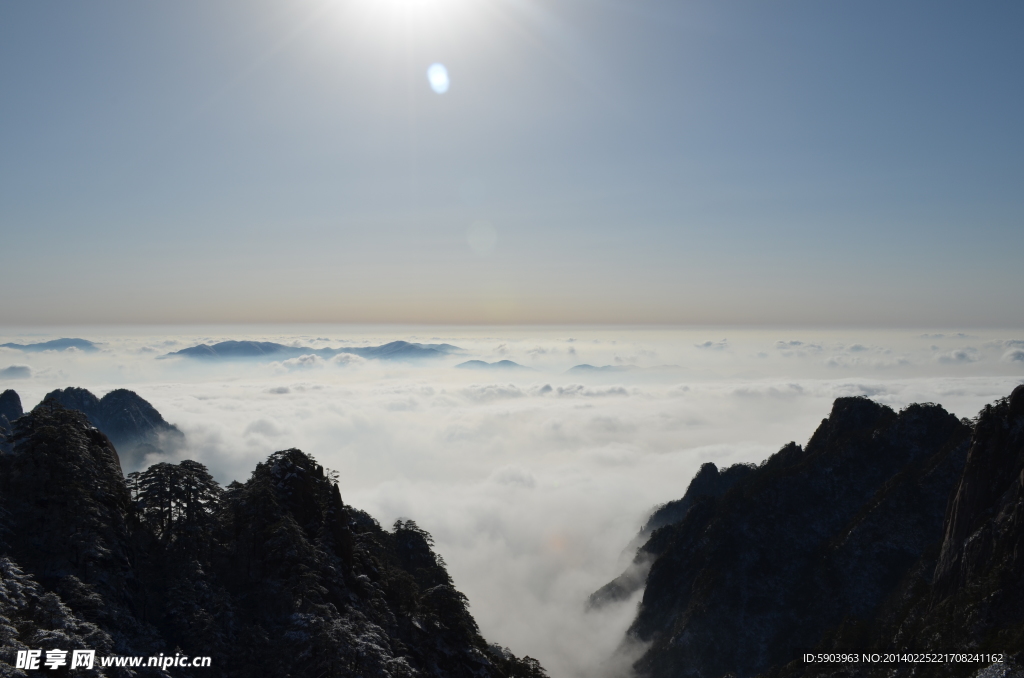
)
(989, 503)
(10, 409)
(967, 592)
(709, 483)
(132, 424)
(810, 548)
(272, 577)
(975, 598)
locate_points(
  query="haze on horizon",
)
(591, 162)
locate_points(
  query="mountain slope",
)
(967, 593)
(133, 425)
(709, 483)
(811, 539)
(272, 577)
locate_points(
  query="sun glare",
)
(419, 8)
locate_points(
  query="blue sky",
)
(639, 162)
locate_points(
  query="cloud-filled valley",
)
(532, 482)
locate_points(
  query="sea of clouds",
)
(532, 482)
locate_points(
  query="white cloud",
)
(580, 390)
(796, 348)
(954, 335)
(532, 485)
(348, 359)
(959, 356)
(488, 392)
(772, 391)
(514, 475)
(857, 362)
(264, 427)
(303, 362)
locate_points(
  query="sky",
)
(533, 482)
(593, 161)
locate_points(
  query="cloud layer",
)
(532, 483)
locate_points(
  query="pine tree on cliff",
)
(177, 501)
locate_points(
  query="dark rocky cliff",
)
(272, 577)
(888, 531)
(10, 409)
(709, 483)
(967, 593)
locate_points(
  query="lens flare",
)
(437, 76)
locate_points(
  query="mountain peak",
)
(10, 408)
(133, 425)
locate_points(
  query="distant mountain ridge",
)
(499, 365)
(602, 368)
(395, 350)
(55, 345)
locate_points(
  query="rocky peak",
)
(10, 410)
(10, 407)
(126, 417)
(304, 491)
(133, 425)
(1017, 401)
(709, 482)
(797, 544)
(74, 398)
(849, 419)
